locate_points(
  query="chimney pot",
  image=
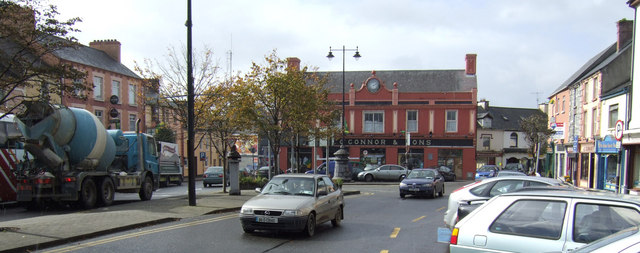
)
(471, 64)
(111, 47)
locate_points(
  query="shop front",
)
(608, 151)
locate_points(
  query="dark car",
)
(422, 182)
(263, 172)
(447, 173)
(213, 175)
(355, 167)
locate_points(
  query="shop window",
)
(413, 159)
(375, 156)
(452, 158)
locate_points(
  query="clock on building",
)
(373, 85)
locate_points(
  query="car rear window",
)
(532, 218)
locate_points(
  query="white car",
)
(294, 202)
(544, 221)
(627, 241)
(487, 188)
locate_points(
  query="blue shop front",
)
(609, 169)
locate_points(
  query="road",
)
(377, 220)
(14, 213)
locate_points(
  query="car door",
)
(323, 202)
(382, 173)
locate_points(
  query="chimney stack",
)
(111, 47)
(293, 62)
(471, 64)
(625, 32)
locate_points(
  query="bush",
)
(250, 183)
(338, 182)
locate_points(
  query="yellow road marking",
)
(384, 251)
(419, 218)
(441, 208)
(395, 232)
(141, 233)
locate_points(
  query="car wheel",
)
(368, 178)
(401, 195)
(338, 218)
(310, 228)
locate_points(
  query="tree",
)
(30, 36)
(164, 133)
(537, 133)
(172, 86)
(281, 102)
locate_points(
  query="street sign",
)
(619, 130)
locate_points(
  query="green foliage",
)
(250, 183)
(338, 182)
(164, 133)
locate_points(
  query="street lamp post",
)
(342, 154)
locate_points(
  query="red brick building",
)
(427, 117)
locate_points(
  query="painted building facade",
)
(417, 118)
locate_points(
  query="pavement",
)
(30, 234)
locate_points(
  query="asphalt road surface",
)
(377, 220)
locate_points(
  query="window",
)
(452, 121)
(486, 141)
(132, 122)
(594, 221)
(373, 122)
(97, 88)
(412, 121)
(613, 115)
(513, 140)
(562, 104)
(132, 94)
(505, 186)
(532, 218)
(115, 89)
(78, 91)
(99, 114)
(594, 93)
(594, 124)
(486, 122)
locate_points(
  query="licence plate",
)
(267, 219)
(414, 189)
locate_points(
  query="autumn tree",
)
(165, 133)
(537, 133)
(30, 37)
(281, 101)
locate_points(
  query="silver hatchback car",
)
(544, 221)
(294, 202)
(390, 172)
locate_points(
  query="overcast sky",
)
(526, 48)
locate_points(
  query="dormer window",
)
(486, 122)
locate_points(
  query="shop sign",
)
(608, 145)
(587, 148)
(412, 142)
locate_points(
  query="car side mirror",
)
(258, 189)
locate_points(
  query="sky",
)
(526, 48)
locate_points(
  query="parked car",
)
(447, 173)
(213, 175)
(488, 188)
(384, 172)
(486, 171)
(263, 172)
(627, 240)
(514, 167)
(294, 202)
(544, 221)
(422, 182)
(504, 173)
(355, 167)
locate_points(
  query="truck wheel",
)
(106, 192)
(180, 181)
(88, 194)
(146, 189)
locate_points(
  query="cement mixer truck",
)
(74, 159)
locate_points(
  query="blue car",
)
(486, 171)
(422, 182)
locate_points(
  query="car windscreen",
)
(485, 169)
(290, 186)
(421, 174)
